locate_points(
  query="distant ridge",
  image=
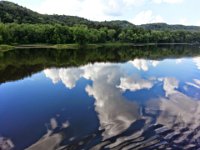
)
(164, 26)
(14, 13)
(11, 12)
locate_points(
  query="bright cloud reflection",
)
(116, 114)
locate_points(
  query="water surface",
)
(121, 99)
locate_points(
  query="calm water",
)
(116, 101)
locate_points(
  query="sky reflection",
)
(108, 105)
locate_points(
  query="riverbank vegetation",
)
(4, 47)
(19, 25)
(13, 33)
(19, 63)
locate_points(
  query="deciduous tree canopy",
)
(22, 26)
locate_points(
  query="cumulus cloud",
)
(198, 23)
(67, 76)
(51, 142)
(178, 109)
(170, 84)
(51, 139)
(99, 10)
(154, 63)
(115, 113)
(6, 144)
(133, 2)
(53, 74)
(65, 124)
(134, 83)
(53, 123)
(167, 1)
(178, 61)
(197, 62)
(83, 8)
(177, 112)
(147, 16)
(183, 21)
(196, 83)
(142, 64)
(70, 76)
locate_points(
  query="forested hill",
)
(13, 13)
(19, 25)
(164, 26)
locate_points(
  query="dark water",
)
(131, 98)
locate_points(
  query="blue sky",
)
(136, 11)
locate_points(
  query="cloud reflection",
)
(135, 83)
(67, 76)
(174, 110)
(170, 84)
(51, 139)
(142, 64)
(6, 144)
(115, 113)
(197, 62)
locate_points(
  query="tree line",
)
(14, 33)
(34, 60)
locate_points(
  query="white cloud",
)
(134, 83)
(146, 17)
(167, 1)
(170, 84)
(113, 8)
(133, 2)
(115, 113)
(98, 10)
(188, 22)
(196, 83)
(178, 109)
(53, 74)
(198, 23)
(60, 7)
(50, 141)
(178, 61)
(67, 76)
(70, 76)
(177, 112)
(197, 62)
(183, 21)
(6, 144)
(101, 10)
(140, 64)
(84, 8)
(155, 63)
(53, 123)
(66, 124)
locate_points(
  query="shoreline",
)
(5, 47)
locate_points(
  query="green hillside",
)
(164, 26)
(13, 13)
(19, 25)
